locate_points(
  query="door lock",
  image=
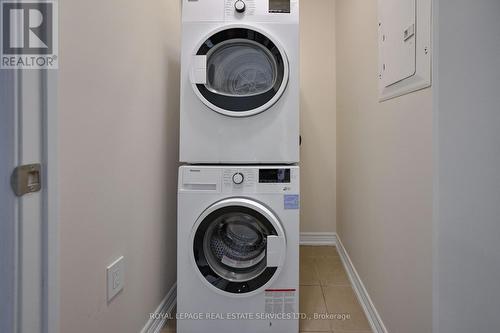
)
(26, 179)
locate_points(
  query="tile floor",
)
(324, 288)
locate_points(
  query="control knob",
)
(240, 6)
(238, 178)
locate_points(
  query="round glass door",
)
(240, 67)
(230, 247)
(246, 72)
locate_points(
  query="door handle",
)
(199, 70)
(26, 179)
(275, 251)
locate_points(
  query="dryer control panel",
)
(282, 11)
(260, 10)
(242, 7)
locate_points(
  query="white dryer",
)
(240, 82)
(238, 249)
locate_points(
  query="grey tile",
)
(311, 302)
(341, 300)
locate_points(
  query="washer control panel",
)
(262, 180)
(238, 178)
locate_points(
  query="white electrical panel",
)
(404, 46)
(397, 44)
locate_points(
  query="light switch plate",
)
(116, 277)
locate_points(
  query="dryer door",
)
(239, 246)
(239, 71)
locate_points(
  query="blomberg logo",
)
(29, 34)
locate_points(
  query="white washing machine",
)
(238, 249)
(240, 82)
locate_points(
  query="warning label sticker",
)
(281, 300)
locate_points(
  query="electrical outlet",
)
(116, 277)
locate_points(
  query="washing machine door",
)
(239, 247)
(239, 71)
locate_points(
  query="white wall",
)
(384, 193)
(318, 115)
(467, 291)
(119, 87)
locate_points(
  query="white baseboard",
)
(359, 288)
(317, 238)
(163, 312)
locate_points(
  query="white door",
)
(239, 247)
(28, 239)
(239, 71)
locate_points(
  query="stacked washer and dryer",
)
(239, 196)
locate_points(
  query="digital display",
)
(274, 176)
(279, 6)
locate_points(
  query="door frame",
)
(8, 203)
(38, 90)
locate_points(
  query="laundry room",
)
(251, 166)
